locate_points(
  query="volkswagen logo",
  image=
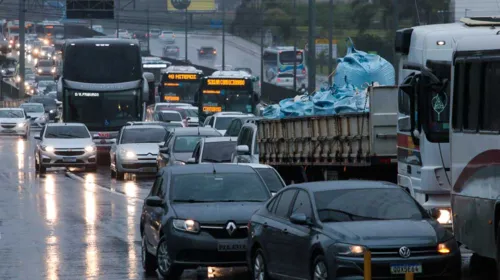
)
(230, 227)
(180, 4)
(404, 252)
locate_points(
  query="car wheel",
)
(148, 260)
(165, 266)
(320, 271)
(259, 269)
(37, 166)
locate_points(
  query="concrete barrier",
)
(8, 90)
(11, 103)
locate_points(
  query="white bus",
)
(423, 147)
(281, 60)
(475, 144)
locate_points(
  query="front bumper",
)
(143, 164)
(201, 249)
(13, 130)
(433, 267)
(67, 158)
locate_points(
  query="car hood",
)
(35, 114)
(218, 213)
(12, 120)
(68, 143)
(141, 148)
(222, 131)
(44, 68)
(386, 233)
(182, 156)
(193, 120)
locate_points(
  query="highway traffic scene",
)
(242, 139)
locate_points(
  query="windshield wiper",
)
(211, 160)
(350, 215)
(68, 135)
(190, 201)
(240, 200)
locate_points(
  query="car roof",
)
(32, 103)
(220, 139)
(18, 109)
(143, 126)
(204, 131)
(231, 114)
(65, 124)
(345, 184)
(209, 169)
(168, 111)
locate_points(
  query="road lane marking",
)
(78, 178)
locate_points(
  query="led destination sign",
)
(226, 82)
(189, 77)
(212, 109)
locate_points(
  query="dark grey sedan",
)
(323, 230)
(197, 215)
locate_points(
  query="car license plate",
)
(232, 246)
(148, 169)
(69, 159)
(406, 268)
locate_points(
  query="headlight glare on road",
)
(350, 250)
(90, 149)
(48, 148)
(186, 225)
(444, 216)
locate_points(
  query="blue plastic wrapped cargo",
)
(361, 69)
(291, 108)
(272, 112)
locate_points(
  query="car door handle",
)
(284, 231)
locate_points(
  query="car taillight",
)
(278, 80)
(201, 51)
(215, 52)
(303, 71)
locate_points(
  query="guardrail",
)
(368, 268)
(8, 90)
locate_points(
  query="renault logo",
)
(231, 227)
(404, 252)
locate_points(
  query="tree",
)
(365, 12)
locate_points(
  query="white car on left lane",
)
(136, 149)
(65, 145)
(14, 121)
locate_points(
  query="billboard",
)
(192, 5)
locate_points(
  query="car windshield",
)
(66, 131)
(185, 144)
(376, 204)
(169, 117)
(192, 112)
(47, 102)
(45, 83)
(218, 187)
(11, 114)
(218, 151)
(271, 178)
(45, 63)
(143, 135)
(222, 123)
(32, 108)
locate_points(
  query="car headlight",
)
(447, 247)
(51, 111)
(18, 79)
(39, 70)
(186, 225)
(177, 162)
(35, 51)
(127, 154)
(21, 124)
(444, 216)
(349, 250)
(43, 53)
(53, 70)
(47, 148)
(90, 149)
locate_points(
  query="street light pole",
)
(312, 47)
(118, 20)
(186, 35)
(223, 35)
(295, 45)
(22, 30)
(147, 30)
(330, 43)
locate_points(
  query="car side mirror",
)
(27, 117)
(207, 125)
(191, 161)
(299, 219)
(154, 201)
(37, 138)
(242, 150)
(434, 213)
(164, 150)
(161, 144)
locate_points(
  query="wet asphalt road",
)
(73, 225)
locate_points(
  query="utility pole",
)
(262, 74)
(295, 45)
(395, 27)
(118, 20)
(186, 35)
(22, 30)
(147, 30)
(330, 43)
(223, 35)
(312, 47)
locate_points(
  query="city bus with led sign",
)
(228, 91)
(104, 92)
(179, 84)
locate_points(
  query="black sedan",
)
(209, 53)
(197, 215)
(323, 230)
(171, 51)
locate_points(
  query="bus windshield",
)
(184, 90)
(110, 63)
(104, 111)
(230, 100)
